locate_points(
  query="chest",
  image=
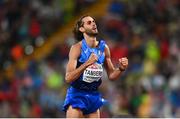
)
(86, 51)
(85, 54)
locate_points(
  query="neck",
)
(91, 41)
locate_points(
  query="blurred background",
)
(35, 37)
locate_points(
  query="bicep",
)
(108, 63)
(73, 56)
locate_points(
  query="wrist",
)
(87, 64)
(121, 69)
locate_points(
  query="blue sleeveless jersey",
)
(90, 79)
(82, 93)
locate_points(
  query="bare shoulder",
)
(75, 49)
(77, 45)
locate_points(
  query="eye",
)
(88, 22)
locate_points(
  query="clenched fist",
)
(123, 62)
(92, 59)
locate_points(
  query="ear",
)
(81, 29)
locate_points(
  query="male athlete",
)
(85, 69)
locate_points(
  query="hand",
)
(92, 59)
(123, 62)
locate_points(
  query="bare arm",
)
(114, 73)
(72, 73)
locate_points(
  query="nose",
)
(94, 24)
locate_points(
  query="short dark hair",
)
(78, 34)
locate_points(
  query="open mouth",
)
(94, 28)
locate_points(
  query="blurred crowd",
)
(145, 31)
(26, 24)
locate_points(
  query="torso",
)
(90, 79)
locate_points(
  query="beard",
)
(91, 33)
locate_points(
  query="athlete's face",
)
(89, 26)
